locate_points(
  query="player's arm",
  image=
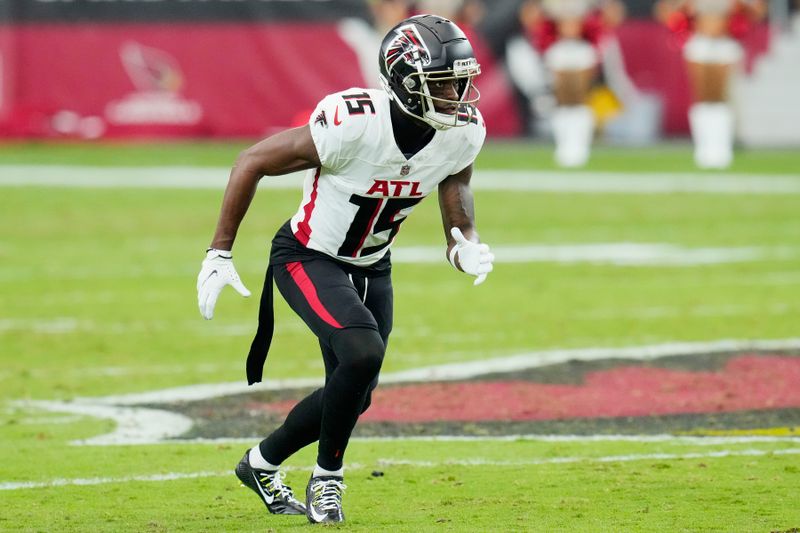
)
(464, 249)
(285, 152)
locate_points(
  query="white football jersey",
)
(354, 204)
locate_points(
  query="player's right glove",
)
(473, 258)
(216, 271)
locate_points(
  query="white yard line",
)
(182, 177)
(627, 254)
(689, 440)
(67, 325)
(137, 425)
(478, 461)
(613, 253)
(636, 183)
(134, 425)
(16, 485)
(661, 312)
(172, 177)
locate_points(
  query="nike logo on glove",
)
(209, 276)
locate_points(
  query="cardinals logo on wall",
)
(158, 81)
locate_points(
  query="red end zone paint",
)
(745, 383)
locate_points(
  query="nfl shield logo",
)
(404, 170)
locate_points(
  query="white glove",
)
(216, 272)
(474, 258)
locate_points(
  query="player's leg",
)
(378, 295)
(303, 423)
(259, 468)
(300, 428)
(324, 491)
(266, 480)
(327, 300)
(573, 64)
(359, 352)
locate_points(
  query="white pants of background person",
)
(711, 117)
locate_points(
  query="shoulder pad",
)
(351, 112)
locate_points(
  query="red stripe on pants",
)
(308, 289)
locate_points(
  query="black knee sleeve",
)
(360, 351)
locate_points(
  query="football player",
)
(371, 157)
(712, 53)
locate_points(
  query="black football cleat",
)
(324, 500)
(269, 486)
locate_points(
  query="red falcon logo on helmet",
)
(408, 46)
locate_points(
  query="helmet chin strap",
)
(419, 119)
(440, 121)
(436, 123)
(429, 115)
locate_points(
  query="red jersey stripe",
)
(303, 232)
(308, 289)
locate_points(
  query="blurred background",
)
(88, 69)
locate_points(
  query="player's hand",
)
(216, 272)
(473, 258)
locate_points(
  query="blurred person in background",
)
(364, 37)
(795, 9)
(466, 13)
(497, 93)
(386, 14)
(569, 35)
(372, 155)
(710, 29)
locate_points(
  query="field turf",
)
(97, 297)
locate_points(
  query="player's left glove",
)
(216, 271)
(473, 258)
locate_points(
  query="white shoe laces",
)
(328, 494)
(274, 482)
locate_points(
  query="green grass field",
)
(97, 297)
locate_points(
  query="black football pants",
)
(351, 315)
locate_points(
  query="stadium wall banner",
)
(187, 68)
(168, 78)
(233, 68)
